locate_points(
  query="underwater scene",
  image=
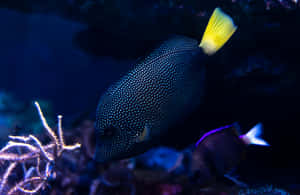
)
(156, 97)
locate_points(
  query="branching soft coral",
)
(28, 151)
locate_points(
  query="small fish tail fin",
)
(253, 136)
(219, 29)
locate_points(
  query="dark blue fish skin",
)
(161, 90)
(216, 155)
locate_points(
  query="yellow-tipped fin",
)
(219, 29)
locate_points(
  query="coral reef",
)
(28, 166)
(38, 161)
(17, 116)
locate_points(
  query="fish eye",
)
(108, 132)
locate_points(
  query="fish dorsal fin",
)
(174, 44)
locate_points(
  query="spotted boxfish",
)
(163, 88)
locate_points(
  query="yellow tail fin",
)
(219, 29)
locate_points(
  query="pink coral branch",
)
(49, 154)
(19, 138)
(19, 186)
(38, 162)
(45, 124)
(60, 134)
(16, 157)
(29, 172)
(72, 147)
(6, 175)
(12, 144)
(35, 190)
(42, 150)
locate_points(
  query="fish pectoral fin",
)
(219, 29)
(236, 181)
(144, 136)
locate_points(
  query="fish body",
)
(219, 151)
(156, 94)
(163, 89)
